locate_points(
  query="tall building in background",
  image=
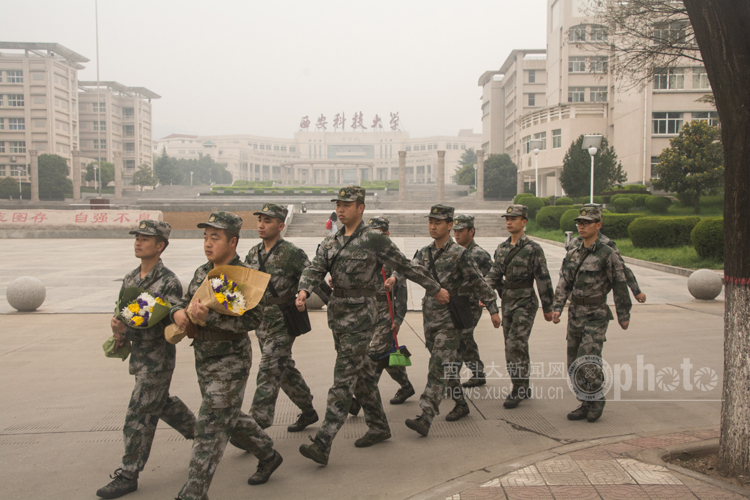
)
(116, 118)
(38, 103)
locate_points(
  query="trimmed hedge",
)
(547, 201)
(316, 191)
(568, 223)
(331, 191)
(582, 200)
(708, 238)
(658, 204)
(260, 191)
(616, 225)
(618, 196)
(275, 192)
(623, 205)
(549, 217)
(229, 191)
(563, 201)
(533, 204)
(662, 232)
(640, 199)
(522, 195)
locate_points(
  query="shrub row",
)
(662, 232)
(623, 205)
(708, 238)
(549, 217)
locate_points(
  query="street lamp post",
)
(475, 176)
(191, 178)
(592, 143)
(535, 146)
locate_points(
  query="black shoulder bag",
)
(459, 306)
(297, 322)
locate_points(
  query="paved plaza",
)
(64, 402)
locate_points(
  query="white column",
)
(34, 174)
(441, 176)
(480, 174)
(75, 174)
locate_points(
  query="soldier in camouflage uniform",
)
(284, 261)
(463, 232)
(382, 341)
(518, 263)
(354, 257)
(152, 361)
(588, 273)
(453, 266)
(223, 357)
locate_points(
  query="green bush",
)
(662, 232)
(616, 225)
(260, 191)
(241, 183)
(583, 200)
(623, 205)
(274, 192)
(521, 195)
(242, 192)
(640, 199)
(708, 238)
(533, 204)
(549, 217)
(289, 192)
(658, 204)
(603, 199)
(331, 191)
(563, 201)
(547, 201)
(316, 191)
(616, 197)
(567, 220)
(229, 191)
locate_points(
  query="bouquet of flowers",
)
(228, 294)
(138, 308)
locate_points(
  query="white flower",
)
(216, 282)
(126, 313)
(148, 298)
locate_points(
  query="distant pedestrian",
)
(331, 225)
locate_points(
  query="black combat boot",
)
(458, 412)
(419, 424)
(265, 469)
(120, 485)
(595, 410)
(317, 451)
(372, 438)
(580, 412)
(476, 380)
(403, 394)
(303, 420)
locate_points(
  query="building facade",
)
(325, 158)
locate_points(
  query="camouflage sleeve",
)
(399, 297)
(389, 254)
(314, 274)
(494, 278)
(471, 274)
(543, 280)
(564, 286)
(629, 276)
(616, 275)
(484, 262)
(183, 302)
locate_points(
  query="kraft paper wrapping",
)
(250, 282)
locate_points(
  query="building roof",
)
(56, 48)
(179, 136)
(122, 88)
(487, 75)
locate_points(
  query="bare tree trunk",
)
(721, 30)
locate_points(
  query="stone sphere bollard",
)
(314, 302)
(705, 284)
(26, 294)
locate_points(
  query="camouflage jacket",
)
(399, 297)
(629, 276)
(454, 267)
(150, 351)
(357, 267)
(484, 263)
(215, 321)
(285, 266)
(529, 263)
(592, 273)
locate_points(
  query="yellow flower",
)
(160, 301)
(138, 320)
(134, 307)
(220, 297)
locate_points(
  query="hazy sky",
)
(257, 67)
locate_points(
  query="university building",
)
(575, 93)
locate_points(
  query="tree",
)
(500, 175)
(105, 175)
(466, 175)
(167, 170)
(144, 176)
(9, 188)
(693, 164)
(576, 173)
(468, 157)
(720, 28)
(53, 177)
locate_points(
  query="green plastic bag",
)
(109, 349)
(129, 295)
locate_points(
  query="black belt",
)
(515, 285)
(218, 335)
(381, 298)
(275, 301)
(583, 301)
(352, 292)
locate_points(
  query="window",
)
(577, 34)
(128, 164)
(99, 107)
(543, 137)
(18, 170)
(556, 138)
(599, 34)
(421, 148)
(486, 108)
(463, 146)
(669, 78)
(276, 170)
(712, 117)
(1, 99)
(128, 130)
(192, 151)
(262, 146)
(532, 76)
(17, 147)
(576, 94)
(667, 123)
(179, 151)
(654, 164)
(283, 148)
(129, 147)
(700, 79)
(128, 112)
(15, 100)
(2, 123)
(576, 64)
(429, 146)
(532, 99)
(667, 34)
(2, 147)
(103, 144)
(292, 149)
(15, 76)
(408, 148)
(598, 94)
(599, 64)
(275, 147)
(16, 123)
(525, 144)
(100, 125)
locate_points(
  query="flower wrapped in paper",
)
(138, 308)
(228, 290)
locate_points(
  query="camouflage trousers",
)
(223, 368)
(468, 349)
(150, 402)
(443, 371)
(586, 337)
(277, 371)
(382, 343)
(354, 373)
(517, 324)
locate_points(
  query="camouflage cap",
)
(351, 193)
(516, 211)
(150, 227)
(590, 211)
(223, 220)
(463, 222)
(273, 210)
(443, 212)
(379, 223)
